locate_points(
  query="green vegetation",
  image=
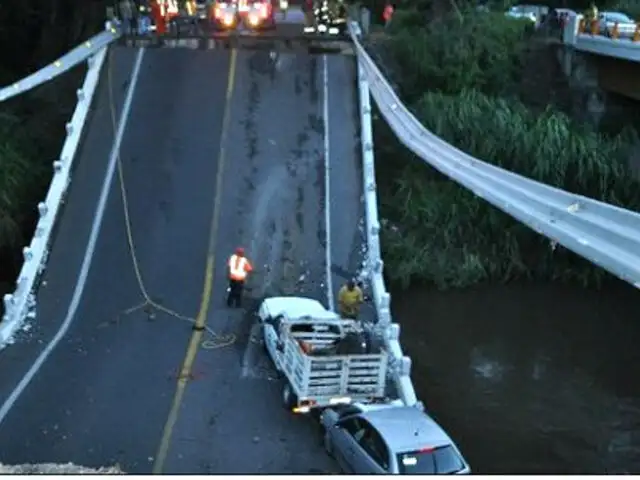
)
(463, 79)
(630, 7)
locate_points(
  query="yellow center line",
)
(201, 318)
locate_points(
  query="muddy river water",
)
(530, 379)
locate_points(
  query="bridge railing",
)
(623, 48)
(400, 364)
(21, 303)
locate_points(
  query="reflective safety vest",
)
(239, 267)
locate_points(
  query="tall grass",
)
(442, 234)
(462, 80)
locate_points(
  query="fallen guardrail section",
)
(21, 304)
(400, 365)
(606, 235)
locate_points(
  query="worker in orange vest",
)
(387, 13)
(238, 269)
(159, 17)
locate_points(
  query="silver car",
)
(388, 439)
(608, 20)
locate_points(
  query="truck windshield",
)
(440, 460)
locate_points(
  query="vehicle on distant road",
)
(389, 439)
(259, 15)
(523, 12)
(224, 15)
(607, 22)
(253, 14)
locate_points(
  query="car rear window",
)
(618, 17)
(440, 460)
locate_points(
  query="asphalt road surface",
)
(229, 143)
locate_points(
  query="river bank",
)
(530, 379)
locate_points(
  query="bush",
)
(483, 52)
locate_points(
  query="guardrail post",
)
(384, 309)
(404, 366)
(43, 209)
(9, 305)
(574, 26)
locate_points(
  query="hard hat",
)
(239, 251)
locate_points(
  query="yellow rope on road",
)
(215, 340)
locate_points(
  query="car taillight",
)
(426, 450)
(253, 20)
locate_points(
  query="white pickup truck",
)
(325, 359)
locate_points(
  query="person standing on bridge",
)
(128, 13)
(350, 298)
(387, 13)
(238, 269)
(158, 14)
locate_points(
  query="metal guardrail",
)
(400, 365)
(21, 304)
(604, 234)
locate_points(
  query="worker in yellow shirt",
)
(349, 300)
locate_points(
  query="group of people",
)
(138, 16)
(350, 296)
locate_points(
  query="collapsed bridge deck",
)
(103, 393)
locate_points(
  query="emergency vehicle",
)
(253, 14)
(326, 360)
